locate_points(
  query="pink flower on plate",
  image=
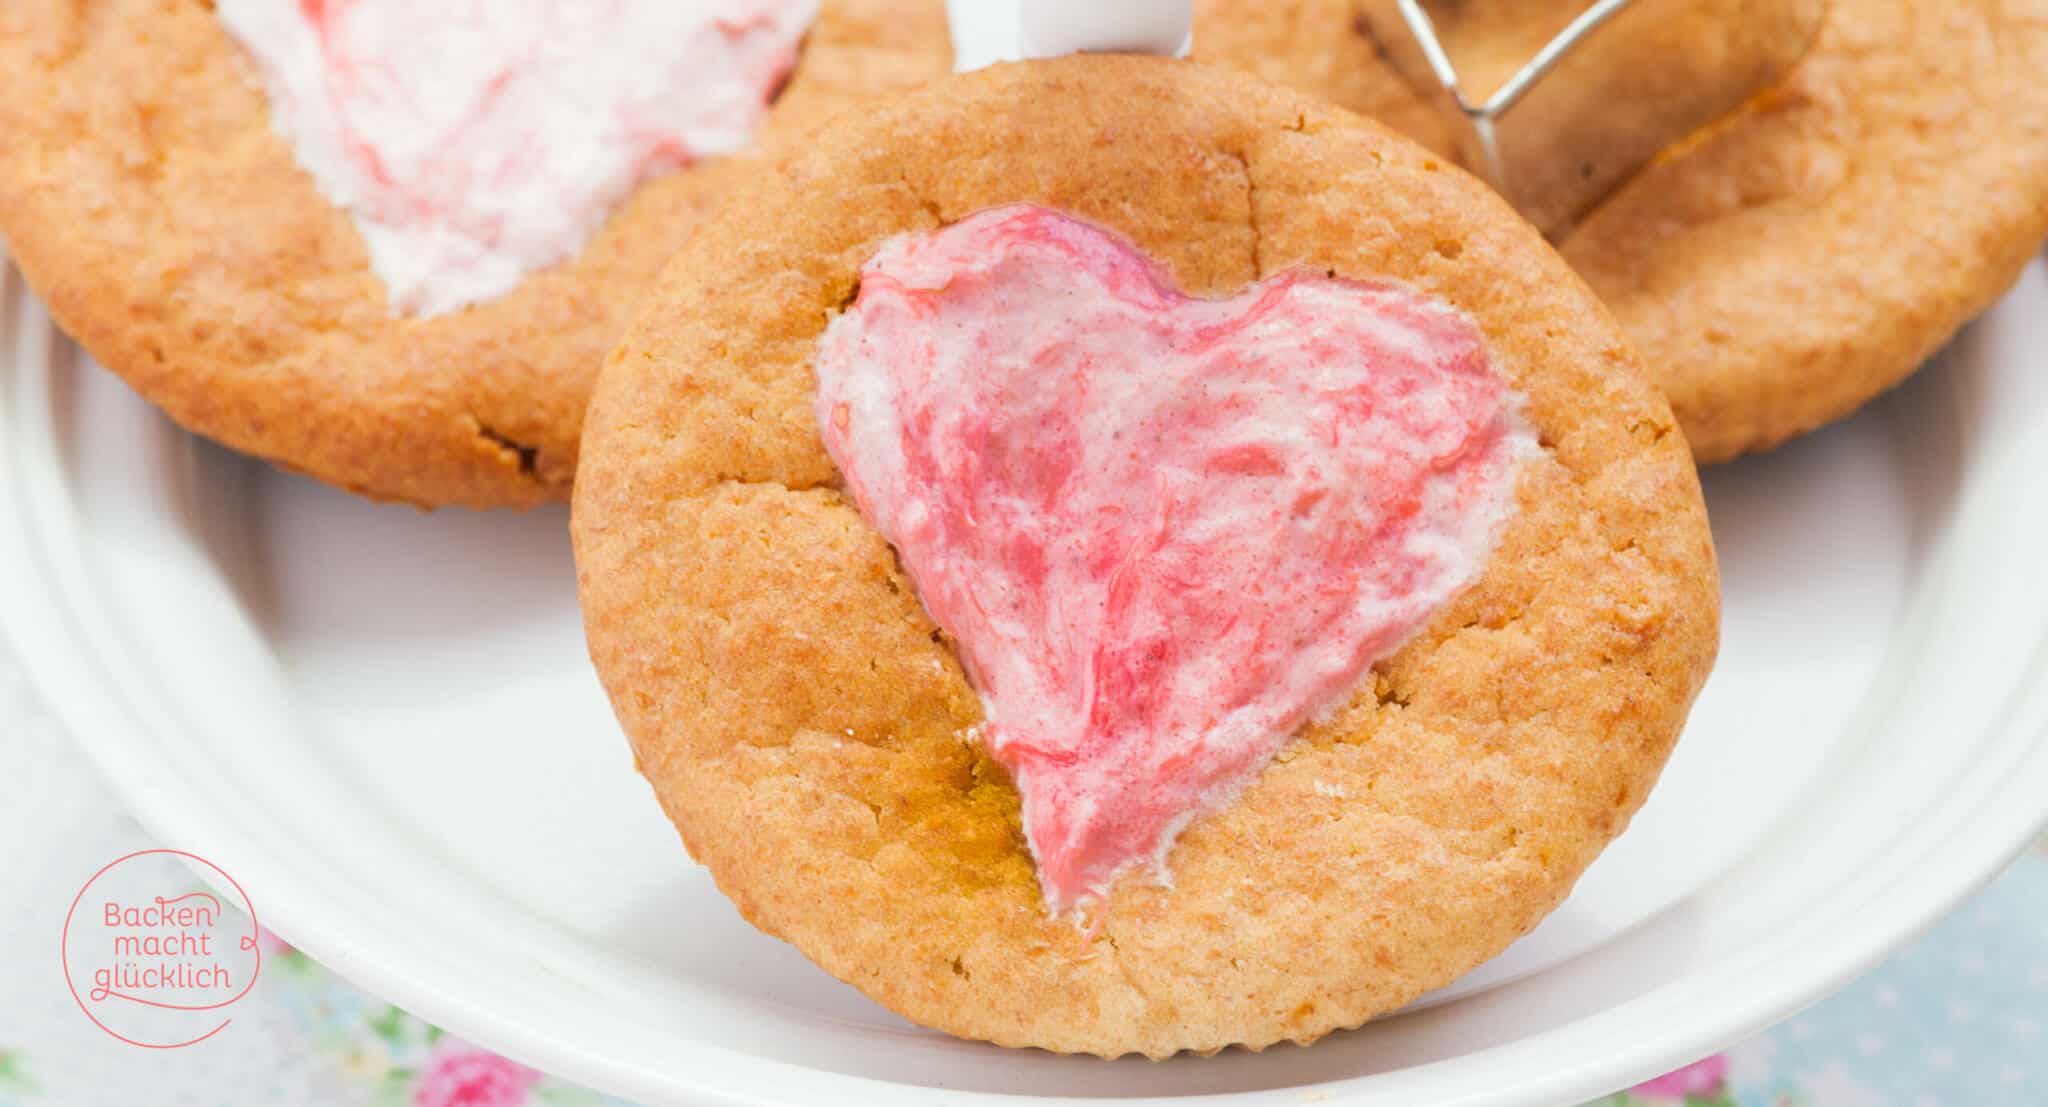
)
(269, 942)
(461, 1075)
(1703, 1077)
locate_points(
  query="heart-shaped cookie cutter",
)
(1621, 82)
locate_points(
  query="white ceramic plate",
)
(383, 724)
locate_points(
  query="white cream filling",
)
(475, 143)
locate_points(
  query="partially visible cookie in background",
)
(1808, 251)
(401, 283)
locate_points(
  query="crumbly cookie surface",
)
(1807, 252)
(147, 197)
(809, 731)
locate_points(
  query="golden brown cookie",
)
(147, 197)
(1806, 253)
(811, 734)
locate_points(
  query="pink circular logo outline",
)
(249, 942)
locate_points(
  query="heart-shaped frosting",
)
(474, 143)
(1163, 532)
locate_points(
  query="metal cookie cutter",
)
(1623, 80)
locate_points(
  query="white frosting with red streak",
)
(473, 143)
(1163, 532)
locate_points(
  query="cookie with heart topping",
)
(1806, 252)
(1110, 555)
(388, 244)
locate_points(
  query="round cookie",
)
(1807, 252)
(146, 195)
(811, 733)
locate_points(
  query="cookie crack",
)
(1361, 26)
(846, 300)
(1251, 213)
(527, 455)
(926, 204)
(1132, 982)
